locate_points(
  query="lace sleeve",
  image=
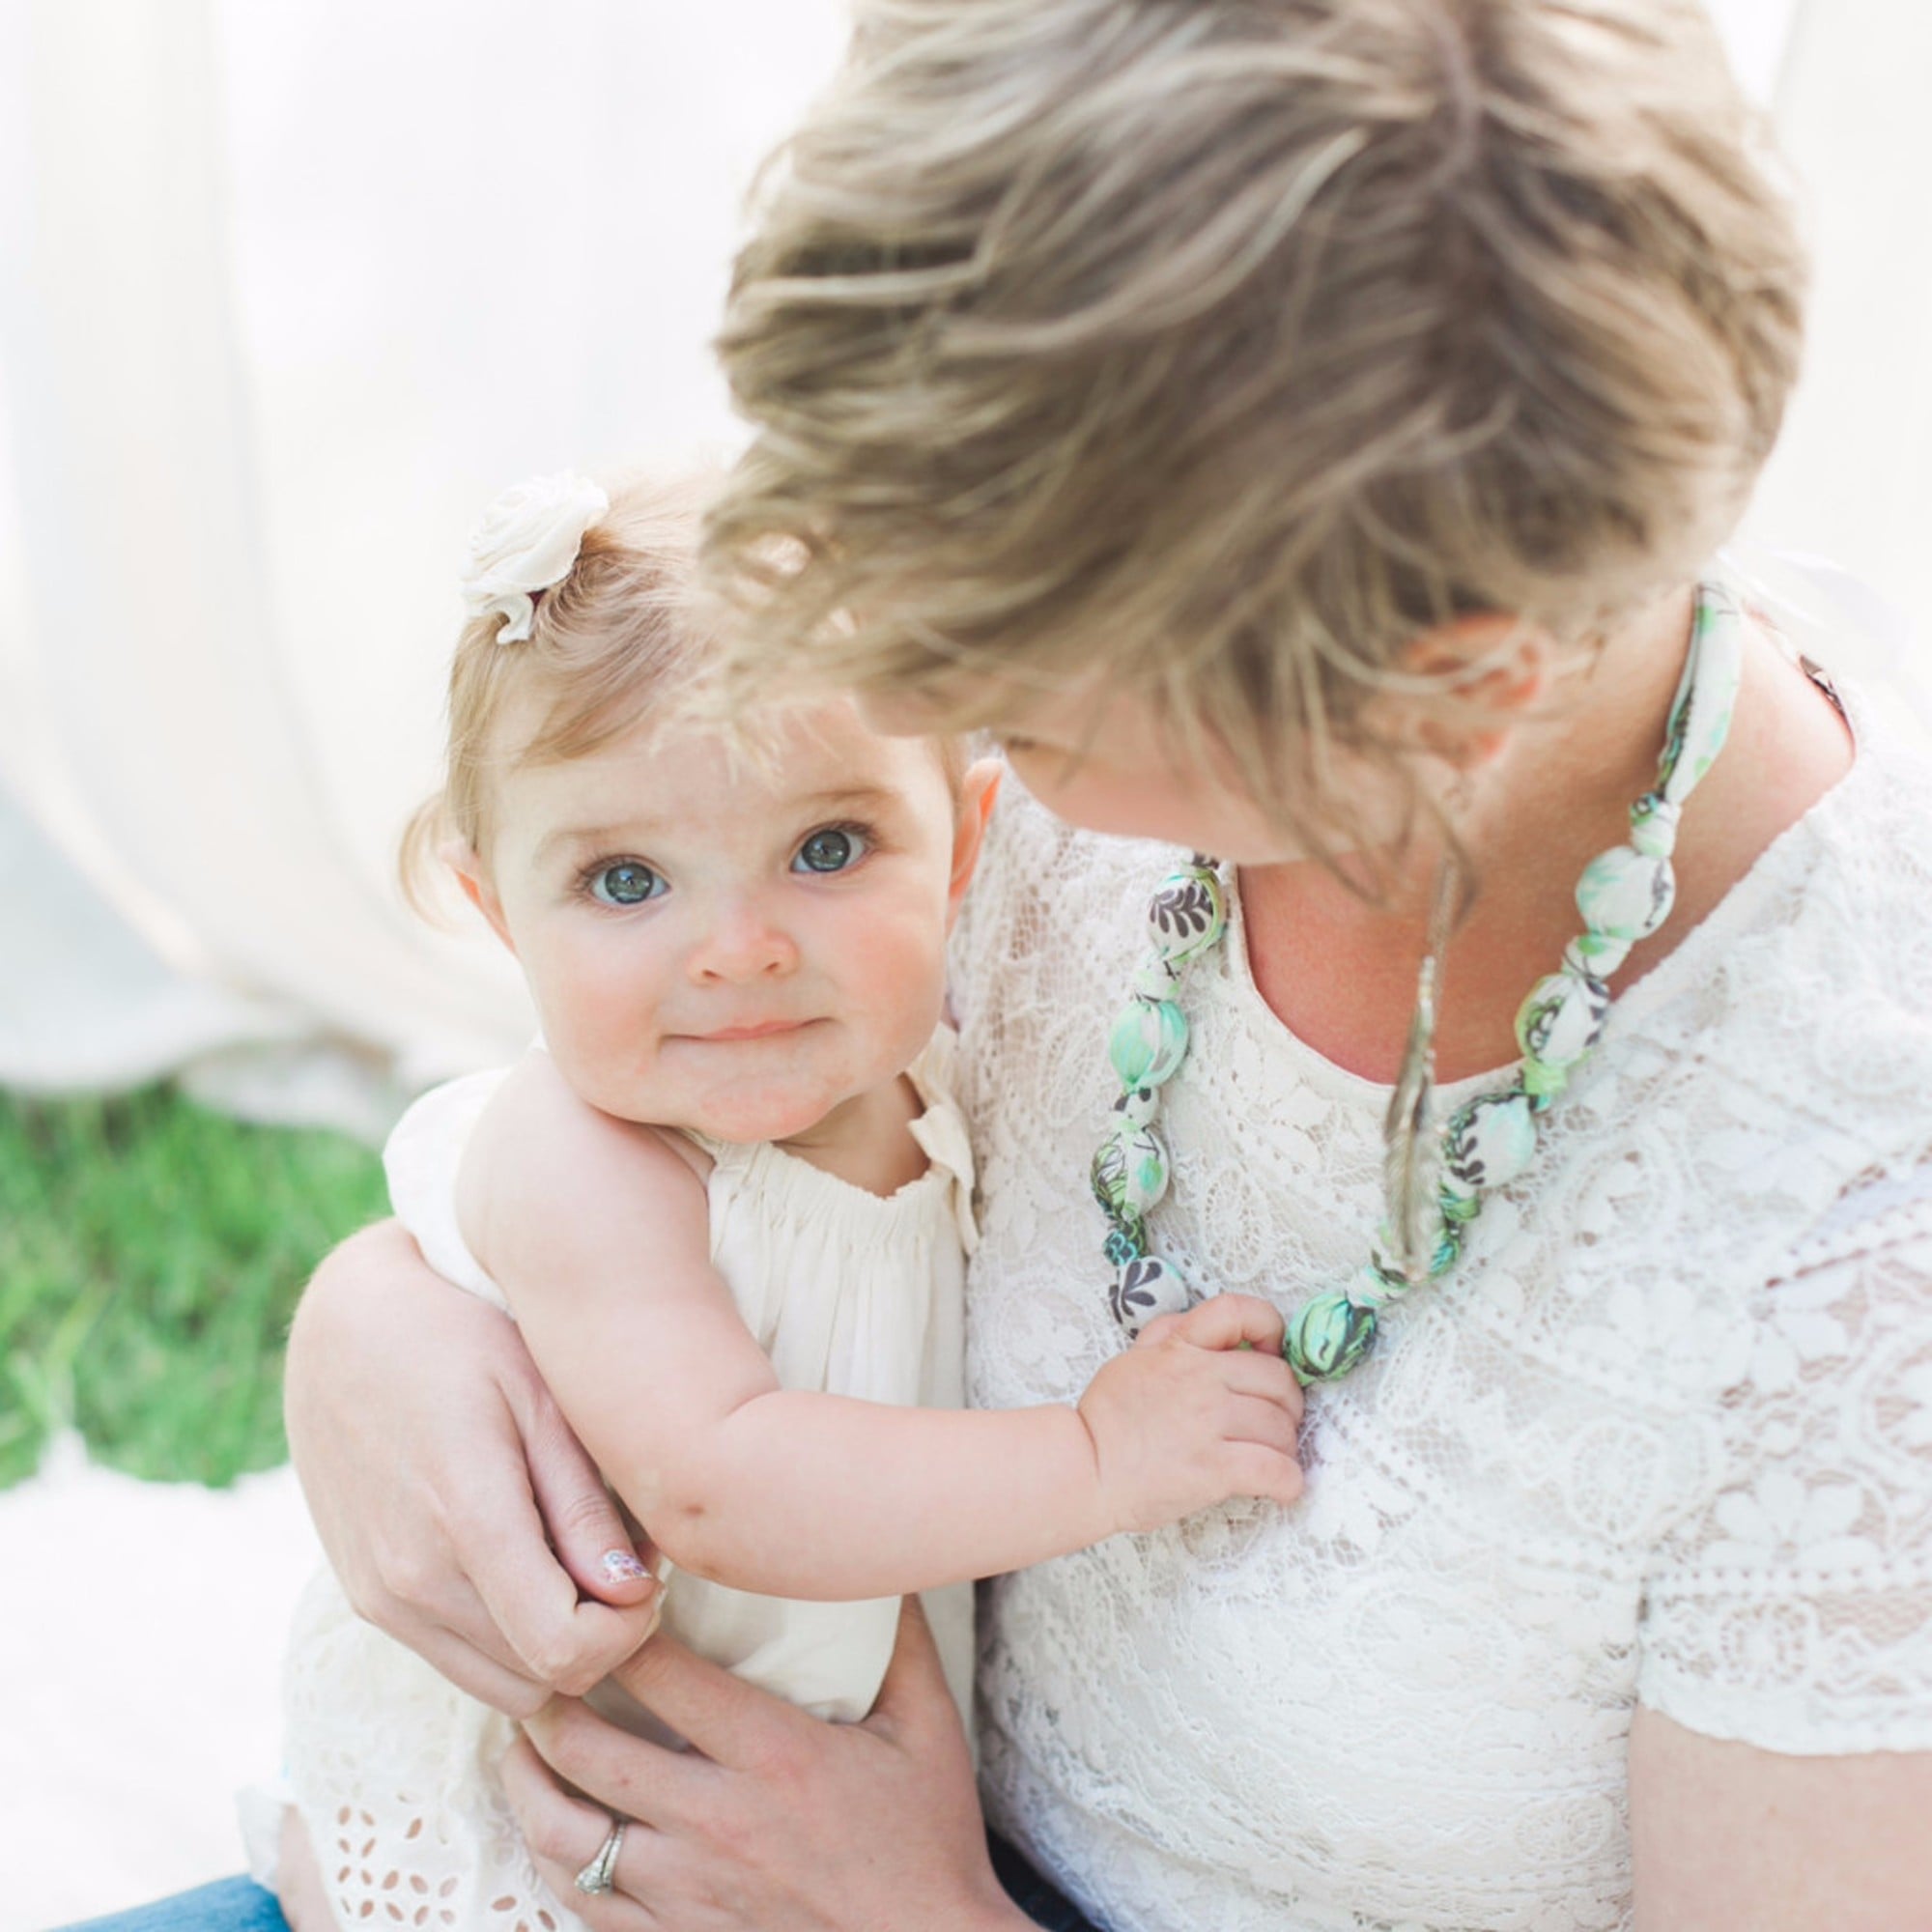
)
(1792, 1608)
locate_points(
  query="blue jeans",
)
(231, 1905)
(239, 1905)
(1032, 1894)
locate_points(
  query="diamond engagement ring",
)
(600, 1874)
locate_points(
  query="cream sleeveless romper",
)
(392, 1768)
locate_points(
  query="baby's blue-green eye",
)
(627, 883)
(831, 850)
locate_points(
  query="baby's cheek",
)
(897, 977)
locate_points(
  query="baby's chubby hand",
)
(1187, 1418)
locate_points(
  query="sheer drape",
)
(285, 292)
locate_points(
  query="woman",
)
(1297, 432)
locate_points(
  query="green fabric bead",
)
(1129, 1174)
(1327, 1337)
(1147, 1289)
(1625, 893)
(1149, 1043)
(1542, 1084)
(1187, 915)
(1487, 1142)
(1562, 1018)
(1108, 1177)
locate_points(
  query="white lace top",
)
(1664, 1434)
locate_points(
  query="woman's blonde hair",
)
(616, 637)
(1217, 347)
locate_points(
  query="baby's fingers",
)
(1266, 1378)
(1251, 1471)
(1266, 1423)
(1225, 1321)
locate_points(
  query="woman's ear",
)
(1492, 670)
(462, 859)
(978, 788)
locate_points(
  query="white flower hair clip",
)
(526, 542)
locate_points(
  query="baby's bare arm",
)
(599, 1234)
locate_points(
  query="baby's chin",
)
(770, 1109)
(751, 1118)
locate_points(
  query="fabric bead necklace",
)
(1625, 895)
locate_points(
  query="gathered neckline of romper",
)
(937, 1128)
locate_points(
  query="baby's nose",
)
(741, 943)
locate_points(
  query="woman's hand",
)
(782, 1821)
(461, 1514)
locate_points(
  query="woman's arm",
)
(434, 1460)
(598, 1233)
(1729, 1838)
(775, 1818)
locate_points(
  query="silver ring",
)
(600, 1875)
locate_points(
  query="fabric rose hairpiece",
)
(526, 542)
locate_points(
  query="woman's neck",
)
(1340, 973)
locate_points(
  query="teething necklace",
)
(1625, 895)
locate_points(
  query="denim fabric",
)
(231, 1905)
(1031, 1892)
(238, 1905)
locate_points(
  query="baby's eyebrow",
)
(640, 831)
(868, 797)
(567, 835)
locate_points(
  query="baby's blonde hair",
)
(1221, 346)
(626, 633)
(616, 637)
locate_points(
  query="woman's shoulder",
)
(1808, 994)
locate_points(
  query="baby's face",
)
(738, 947)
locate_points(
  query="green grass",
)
(150, 1253)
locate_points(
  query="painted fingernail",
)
(621, 1566)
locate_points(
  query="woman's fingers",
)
(564, 1832)
(587, 1529)
(787, 1822)
(628, 1776)
(414, 1412)
(565, 1643)
(732, 1722)
(914, 1701)
(505, 1686)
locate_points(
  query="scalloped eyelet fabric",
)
(1665, 1432)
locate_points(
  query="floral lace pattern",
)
(1665, 1432)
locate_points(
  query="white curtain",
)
(288, 291)
(286, 294)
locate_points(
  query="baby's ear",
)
(463, 859)
(978, 788)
